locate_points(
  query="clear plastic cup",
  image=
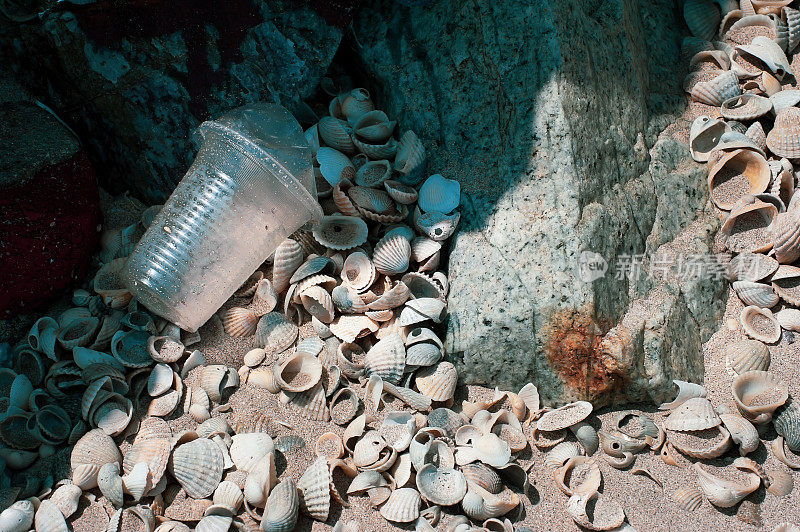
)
(250, 186)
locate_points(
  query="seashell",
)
(350, 359)
(787, 424)
(218, 379)
(283, 505)
(42, 336)
(197, 466)
(160, 380)
(757, 394)
(355, 104)
(215, 522)
(402, 194)
(770, 54)
(784, 99)
(591, 476)
(735, 171)
(422, 286)
(435, 225)
(480, 505)
(137, 482)
(341, 232)
(18, 517)
(311, 403)
(717, 90)
(131, 348)
(751, 267)
(686, 391)
(415, 400)
(348, 327)
(79, 332)
(66, 498)
(438, 382)
(587, 436)
(702, 17)
(373, 127)
(264, 377)
(228, 495)
(386, 359)
(423, 309)
(705, 444)
(607, 514)
(565, 416)
(423, 355)
(298, 373)
(489, 449)
(786, 236)
(358, 271)
(760, 324)
(439, 194)
(724, 493)
(785, 282)
(152, 446)
(743, 433)
(288, 257)
(396, 296)
(344, 406)
(248, 449)
(373, 173)
(784, 138)
(368, 449)
(402, 506)
(110, 484)
(49, 518)
(239, 322)
(443, 486)
(615, 444)
(109, 286)
(254, 357)
(780, 483)
(275, 333)
(330, 446)
(688, 498)
(317, 301)
(696, 413)
(385, 150)
(731, 141)
(757, 294)
(559, 454)
(335, 133)
(398, 429)
(315, 491)
(746, 355)
(92, 451)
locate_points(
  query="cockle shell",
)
(197, 466)
(423, 354)
(275, 333)
(358, 271)
(688, 498)
(743, 433)
(355, 104)
(757, 394)
(423, 309)
(67, 497)
(385, 150)
(686, 391)
(565, 416)
(479, 504)
(283, 504)
(744, 165)
(335, 133)
(160, 380)
(371, 199)
(398, 429)
(717, 90)
(439, 194)
(746, 355)
(49, 518)
(373, 173)
(402, 506)
(317, 301)
(373, 127)
(342, 415)
(340, 232)
(79, 332)
(704, 444)
(329, 445)
(217, 380)
(402, 194)
(784, 138)
(89, 454)
(758, 294)
(315, 491)
(152, 446)
(368, 449)
(261, 479)
(349, 327)
(42, 336)
(396, 296)
(438, 382)
(411, 159)
(559, 454)
(443, 486)
(228, 495)
(108, 284)
(702, 17)
(249, 448)
(137, 482)
(131, 348)
(311, 403)
(288, 257)
(386, 359)
(298, 373)
(760, 324)
(392, 255)
(435, 225)
(725, 493)
(239, 322)
(695, 414)
(787, 424)
(751, 267)
(786, 235)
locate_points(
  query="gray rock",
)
(136, 91)
(551, 114)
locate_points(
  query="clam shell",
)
(165, 349)
(109, 286)
(248, 449)
(349, 400)
(724, 493)
(197, 466)
(559, 454)
(137, 482)
(315, 491)
(152, 446)
(717, 90)
(743, 433)
(373, 127)
(606, 515)
(587, 436)
(317, 301)
(386, 150)
(760, 324)
(756, 133)
(787, 424)
(397, 430)
(298, 373)
(411, 159)
(131, 348)
(423, 309)
(751, 267)
(435, 225)
(781, 483)
(746, 355)
(746, 106)
(770, 54)
(757, 394)
(229, 495)
(438, 382)
(358, 271)
(373, 173)
(758, 294)
(386, 359)
(392, 255)
(66, 497)
(704, 444)
(283, 504)
(402, 194)
(371, 199)
(49, 518)
(288, 257)
(402, 506)
(746, 166)
(160, 380)
(694, 414)
(91, 452)
(439, 194)
(275, 333)
(264, 377)
(340, 232)
(216, 379)
(489, 449)
(423, 354)
(443, 486)
(330, 446)
(42, 336)
(784, 139)
(702, 17)
(786, 235)
(355, 104)
(565, 416)
(368, 449)
(484, 476)
(335, 133)
(415, 400)
(239, 322)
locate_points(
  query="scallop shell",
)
(108, 284)
(91, 452)
(565, 416)
(340, 232)
(717, 90)
(438, 382)
(152, 446)
(751, 267)
(49, 518)
(784, 139)
(386, 359)
(275, 333)
(757, 394)
(435, 225)
(787, 424)
(402, 506)
(315, 491)
(724, 493)
(439, 194)
(288, 257)
(283, 505)
(760, 324)
(757, 294)
(423, 309)
(702, 17)
(335, 133)
(402, 194)
(746, 355)
(197, 466)
(694, 414)
(748, 164)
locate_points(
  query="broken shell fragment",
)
(758, 394)
(565, 416)
(722, 492)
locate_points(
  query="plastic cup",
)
(250, 186)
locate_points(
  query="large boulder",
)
(553, 117)
(136, 78)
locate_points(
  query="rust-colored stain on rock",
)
(575, 348)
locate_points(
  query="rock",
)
(552, 117)
(136, 78)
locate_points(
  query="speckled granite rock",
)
(136, 78)
(550, 115)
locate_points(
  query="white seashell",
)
(340, 232)
(228, 495)
(283, 505)
(402, 506)
(489, 449)
(438, 382)
(260, 481)
(137, 482)
(479, 504)
(358, 271)
(66, 497)
(197, 466)
(724, 493)
(349, 327)
(288, 257)
(746, 355)
(315, 491)
(784, 138)
(311, 403)
(398, 429)
(110, 484)
(607, 513)
(439, 194)
(789, 319)
(770, 53)
(248, 449)
(559, 454)
(565, 416)
(758, 394)
(275, 333)
(715, 91)
(49, 518)
(91, 452)
(435, 225)
(239, 322)
(18, 517)
(686, 391)
(298, 373)
(760, 324)
(694, 414)
(704, 136)
(160, 380)
(444, 486)
(152, 445)
(386, 359)
(392, 255)
(743, 433)
(758, 294)
(423, 309)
